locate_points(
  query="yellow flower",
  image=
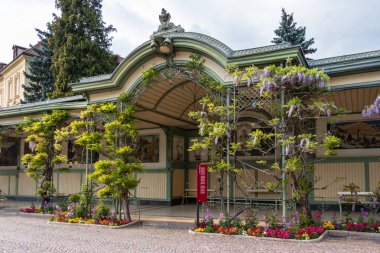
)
(75, 220)
(328, 225)
(199, 230)
(306, 236)
(90, 221)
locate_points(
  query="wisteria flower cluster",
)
(372, 110)
(271, 78)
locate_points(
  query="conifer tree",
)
(39, 74)
(288, 32)
(80, 43)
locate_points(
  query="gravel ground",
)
(29, 234)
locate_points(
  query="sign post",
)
(201, 186)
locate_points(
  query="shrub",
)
(102, 211)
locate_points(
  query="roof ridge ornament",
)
(166, 26)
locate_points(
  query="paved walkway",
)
(178, 213)
(29, 234)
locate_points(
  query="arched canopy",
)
(168, 102)
(215, 51)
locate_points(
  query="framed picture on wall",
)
(197, 155)
(178, 148)
(148, 148)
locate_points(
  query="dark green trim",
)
(355, 86)
(186, 174)
(9, 185)
(8, 172)
(347, 159)
(57, 181)
(42, 108)
(155, 171)
(366, 176)
(169, 163)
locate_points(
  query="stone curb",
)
(323, 236)
(362, 235)
(133, 223)
(327, 233)
(34, 214)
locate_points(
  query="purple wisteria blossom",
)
(374, 202)
(373, 110)
(208, 216)
(363, 213)
(296, 217)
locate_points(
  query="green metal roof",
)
(74, 102)
(191, 42)
(366, 61)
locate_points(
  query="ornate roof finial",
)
(166, 26)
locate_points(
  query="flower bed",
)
(352, 226)
(301, 227)
(34, 210)
(307, 233)
(66, 217)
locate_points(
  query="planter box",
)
(364, 235)
(34, 214)
(320, 238)
(133, 223)
(327, 233)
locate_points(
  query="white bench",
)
(355, 196)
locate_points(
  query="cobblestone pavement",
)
(29, 234)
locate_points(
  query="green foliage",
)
(110, 130)
(231, 222)
(39, 73)
(150, 75)
(304, 220)
(86, 200)
(45, 155)
(330, 143)
(102, 211)
(250, 218)
(74, 197)
(80, 43)
(351, 187)
(288, 32)
(293, 125)
(214, 127)
(196, 62)
(271, 219)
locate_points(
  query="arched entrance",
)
(164, 104)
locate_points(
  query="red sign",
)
(201, 183)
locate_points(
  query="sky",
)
(339, 27)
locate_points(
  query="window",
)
(9, 87)
(17, 83)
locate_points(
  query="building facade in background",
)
(166, 130)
